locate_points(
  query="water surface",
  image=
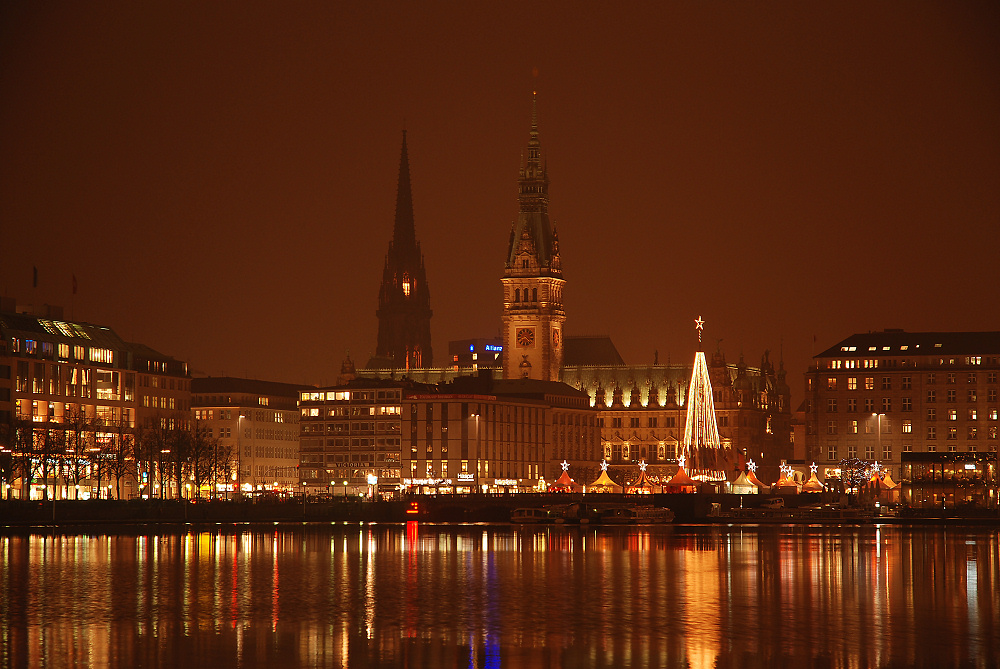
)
(500, 596)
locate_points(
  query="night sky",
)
(221, 177)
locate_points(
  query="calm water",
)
(499, 596)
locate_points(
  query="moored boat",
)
(637, 515)
(530, 515)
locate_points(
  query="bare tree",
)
(79, 432)
(48, 450)
(121, 450)
(202, 457)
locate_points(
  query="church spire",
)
(403, 230)
(404, 311)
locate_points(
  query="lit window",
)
(852, 383)
(869, 383)
(952, 414)
(831, 383)
(907, 427)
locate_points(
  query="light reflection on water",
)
(485, 596)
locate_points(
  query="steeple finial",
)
(534, 146)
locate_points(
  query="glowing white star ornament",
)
(564, 465)
(752, 466)
(642, 465)
(813, 468)
(681, 462)
(604, 465)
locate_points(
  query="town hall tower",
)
(533, 314)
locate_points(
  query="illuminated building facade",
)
(643, 408)
(468, 356)
(351, 432)
(78, 406)
(254, 427)
(404, 301)
(889, 396)
(533, 314)
(478, 433)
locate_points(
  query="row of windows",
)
(906, 427)
(906, 382)
(350, 395)
(906, 403)
(873, 363)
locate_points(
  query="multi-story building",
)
(77, 403)
(254, 425)
(643, 408)
(882, 396)
(477, 433)
(468, 356)
(454, 437)
(350, 432)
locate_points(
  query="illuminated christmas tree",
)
(702, 446)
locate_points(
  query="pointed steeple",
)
(532, 235)
(533, 314)
(403, 230)
(404, 339)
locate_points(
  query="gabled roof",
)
(899, 342)
(590, 351)
(232, 384)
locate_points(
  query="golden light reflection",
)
(424, 595)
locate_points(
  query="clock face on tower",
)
(525, 337)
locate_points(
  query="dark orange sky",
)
(221, 177)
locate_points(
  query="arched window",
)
(517, 294)
(534, 294)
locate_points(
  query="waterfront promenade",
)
(721, 509)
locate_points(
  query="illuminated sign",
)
(491, 347)
(426, 481)
(465, 476)
(505, 482)
(969, 465)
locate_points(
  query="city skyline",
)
(792, 173)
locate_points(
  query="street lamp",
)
(878, 417)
